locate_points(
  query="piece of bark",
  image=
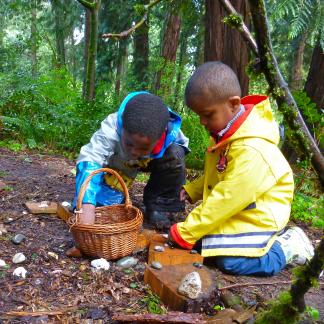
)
(43, 207)
(171, 317)
(144, 239)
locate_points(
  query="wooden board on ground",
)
(170, 256)
(63, 212)
(144, 239)
(43, 207)
(165, 283)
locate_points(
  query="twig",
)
(247, 284)
(41, 313)
(126, 33)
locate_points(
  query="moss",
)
(234, 20)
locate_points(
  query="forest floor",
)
(66, 289)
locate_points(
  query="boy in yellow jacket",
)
(247, 186)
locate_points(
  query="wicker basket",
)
(114, 233)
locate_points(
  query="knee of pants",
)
(232, 265)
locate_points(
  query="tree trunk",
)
(33, 37)
(299, 133)
(181, 65)
(58, 9)
(141, 55)
(165, 75)
(223, 43)
(73, 58)
(121, 65)
(296, 76)
(199, 52)
(2, 54)
(90, 50)
(314, 86)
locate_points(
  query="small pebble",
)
(18, 258)
(159, 248)
(66, 204)
(197, 265)
(2, 263)
(20, 272)
(17, 239)
(165, 236)
(156, 265)
(193, 252)
(53, 255)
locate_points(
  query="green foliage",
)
(198, 140)
(313, 117)
(234, 21)
(308, 203)
(47, 112)
(152, 302)
(313, 312)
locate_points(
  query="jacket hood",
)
(257, 121)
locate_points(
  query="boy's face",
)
(215, 117)
(136, 145)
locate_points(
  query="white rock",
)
(66, 204)
(100, 264)
(53, 255)
(18, 258)
(158, 248)
(166, 236)
(190, 285)
(20, 272)
(2, 263)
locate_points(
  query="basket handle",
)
(128, 203)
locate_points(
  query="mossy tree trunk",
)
(291, 304)
(223, 43)
(298, 133)
(90, 53)
(314, 85)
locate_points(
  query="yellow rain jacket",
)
(244, 207)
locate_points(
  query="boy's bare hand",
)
(88, 214)
(184, 196)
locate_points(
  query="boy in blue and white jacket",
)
(143, 135)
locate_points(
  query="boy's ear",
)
(235, 102)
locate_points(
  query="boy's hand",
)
(175, 240)
(88, 214)
(184, 196)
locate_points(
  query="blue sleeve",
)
(83, 170)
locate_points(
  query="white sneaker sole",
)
(306, 243)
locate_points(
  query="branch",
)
(87, 4)
(248, 284)
(126, 33)
(242, 27)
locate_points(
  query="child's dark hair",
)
(213, 82)
(147, 115)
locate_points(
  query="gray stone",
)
(156, 265)
(190, 285)
(158, 248)
(193, 252)
(18, 258)
(127, 262)
(17, 239)
(197, 265)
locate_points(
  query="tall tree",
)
(170, 43)
(141, 54)
(90, 47)
(33, 36)
(58, 9)
(314, 86)
(222, 43)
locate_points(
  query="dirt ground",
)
(68, 284)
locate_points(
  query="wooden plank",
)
(63, 212)
(165, 283)
(44, 207)
(144, 239)
(170, 256)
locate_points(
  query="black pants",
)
(162, 191)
